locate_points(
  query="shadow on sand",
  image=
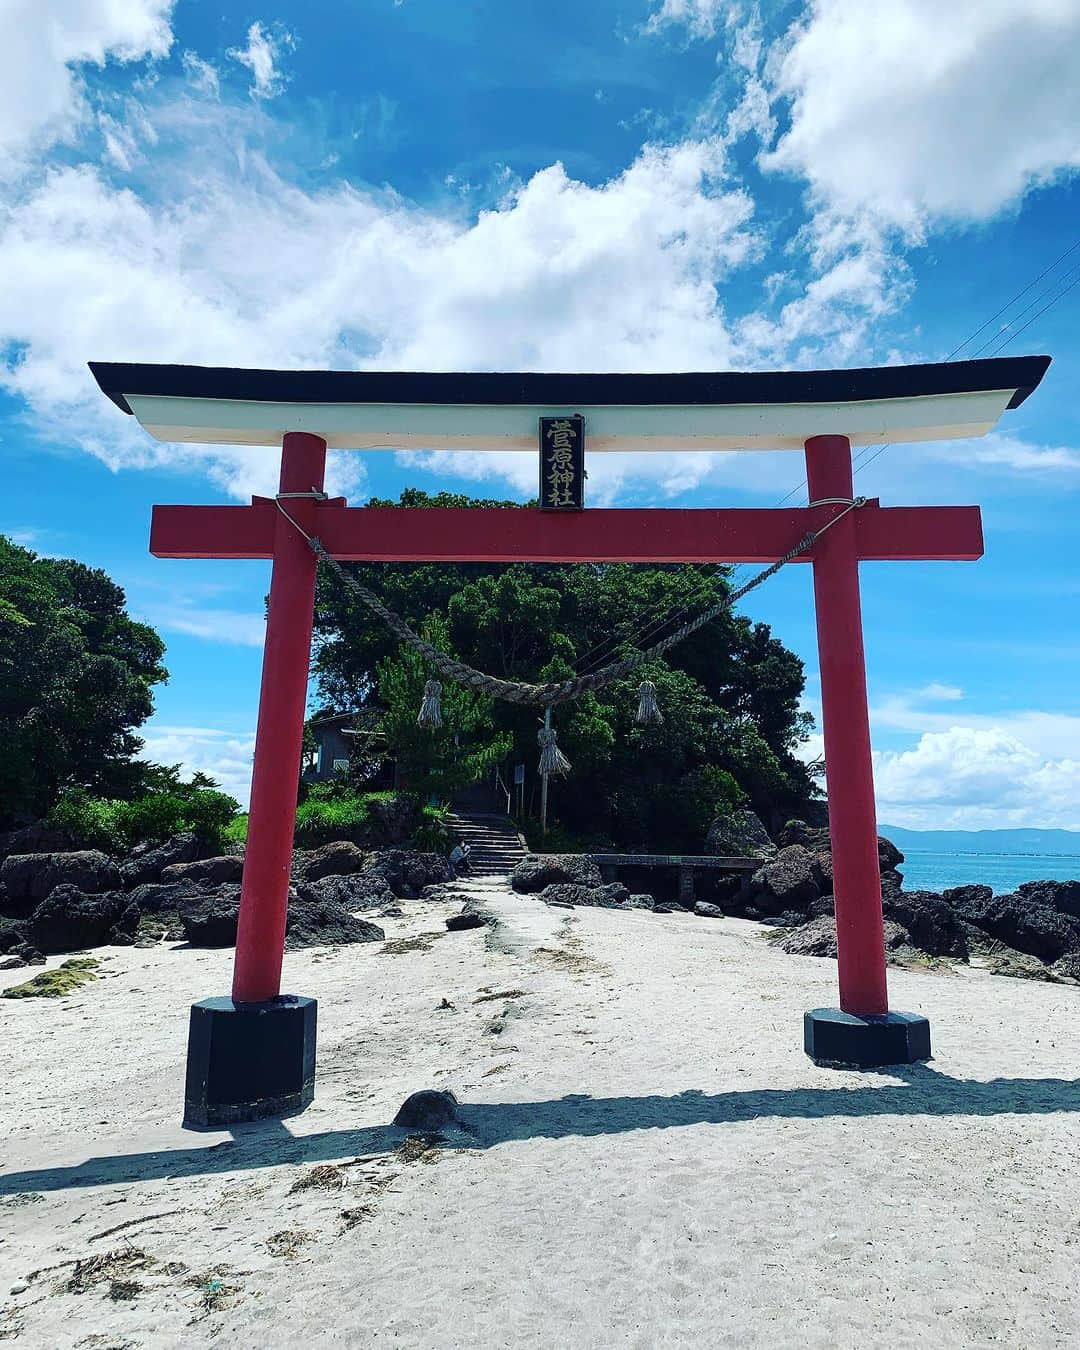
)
(922, 1092)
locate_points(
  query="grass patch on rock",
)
(65, 979)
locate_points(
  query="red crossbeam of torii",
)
(239, 1065)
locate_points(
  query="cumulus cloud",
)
(225, 755)
(630, 273)
(972, 777)
(261, 55)
(911, 110)
(43, 46)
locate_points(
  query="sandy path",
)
(652, 1159)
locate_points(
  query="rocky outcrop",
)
(930, 921)
(538, 870)
(1064, 896)
(706, 911)
(641, 902)
(68, 920)
(209, 916)
(321, 923)
(818, 938)
(361, 890)
(739, 835)
(146, 864)
(407, 871)
(1017, 922)
(27, 878)
(219, 871)
(338, 859)
(791, 880)
(210, 919)
(613, 896)
(36, 838)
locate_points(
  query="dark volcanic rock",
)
(613, 896)
(321, 923)
(537, 870)
(790, 918)
(68, 920)
(227, 868)
(1067, 967)
(1064, 896)
(29, 877)
(790, 881)
(892, 882)
(739, 835)
(145, 865)
(36, 838)
(209, 917)
(930, 921)
(407, 871)
(707, 911)
(1018, 923)
(968, 900)
(818, 938)
(428, 1111)
(889, 856)
(641, 902)
(12, 935)
(161, 897)
(332, 860)
(824, 904)
(457, 923)
(795, 832)
(361, 890)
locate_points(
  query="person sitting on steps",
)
(459, 858)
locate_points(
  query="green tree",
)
(730, 692)
(76, 675)
(435, 761)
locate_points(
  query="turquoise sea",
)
(1003, 872)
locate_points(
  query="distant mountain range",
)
(1047, 842)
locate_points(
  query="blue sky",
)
(628, 184)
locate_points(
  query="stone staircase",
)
(495, 847)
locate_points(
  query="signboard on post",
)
(562, 463)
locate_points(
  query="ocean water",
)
(1003, 872)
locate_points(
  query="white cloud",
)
(225, 755)
(201, 75)
(910, 109)
(701, 17)
(559, 274)
(43, 43)
(238, 628)
(972, 777)
(940, 693)
(1005, 454)
(261, 55)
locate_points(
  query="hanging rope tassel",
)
(431, 707)
(552, 760)
(648, 710)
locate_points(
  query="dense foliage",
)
(169, 807)
(730, 693)
(76, 674)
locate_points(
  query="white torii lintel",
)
(374, 410)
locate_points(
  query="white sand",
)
(655, 1163)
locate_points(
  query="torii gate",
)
(254, 1055)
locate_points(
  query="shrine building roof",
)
(728, 410)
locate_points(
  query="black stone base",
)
(249, 1061)
(841, 1040)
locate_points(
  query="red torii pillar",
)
(262, 1062)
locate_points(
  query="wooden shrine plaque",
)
(562, 463)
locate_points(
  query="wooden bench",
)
(685, 863)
